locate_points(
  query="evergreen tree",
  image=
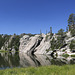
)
(71, 19)
(51, 30)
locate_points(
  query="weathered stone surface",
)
(27, 45)
(44, 45)
(23, 41)
(36, 44)
(39, 44)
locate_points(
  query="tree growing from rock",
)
(72, 45)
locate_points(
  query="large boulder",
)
(34, 45)
(44, 45)
(28, 44)
(23, 41)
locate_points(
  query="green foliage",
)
(56, 54)
(63, 50)
(1, 41)
(60, 32)
(51, 34)
(53, 44)
(72, 32)
(15, 43)
(71, 19)
(60, 41)
(56, 44)
(3, 51)
(72, 55)
(50, 29)
(72, 45)
(65, 55)
(61, 35)
(45, 70)
(47, 50)
(3, 38)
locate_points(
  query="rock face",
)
(66, 49)
(23, 41)
(44, 45)
(27, 45)
(40, 44)
(36, 44)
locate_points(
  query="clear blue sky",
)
(29, 16)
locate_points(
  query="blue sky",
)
(29, 16)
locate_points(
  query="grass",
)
(45, 70)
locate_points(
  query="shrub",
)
(72, 55)
(65, 55)
(63, 50)
(72, 45)
(47, 50)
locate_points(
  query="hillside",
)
(59, 43)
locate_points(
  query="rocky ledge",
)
(41, 44)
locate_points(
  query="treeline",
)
(9, 42)
(14, 44)
(3, 39)
(58, 42)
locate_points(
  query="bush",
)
(72, 32)
(3, 39)
(72, 45)
(72, 55)
(15, 43)
(65, 55)
(47, 50)
(63, 50)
